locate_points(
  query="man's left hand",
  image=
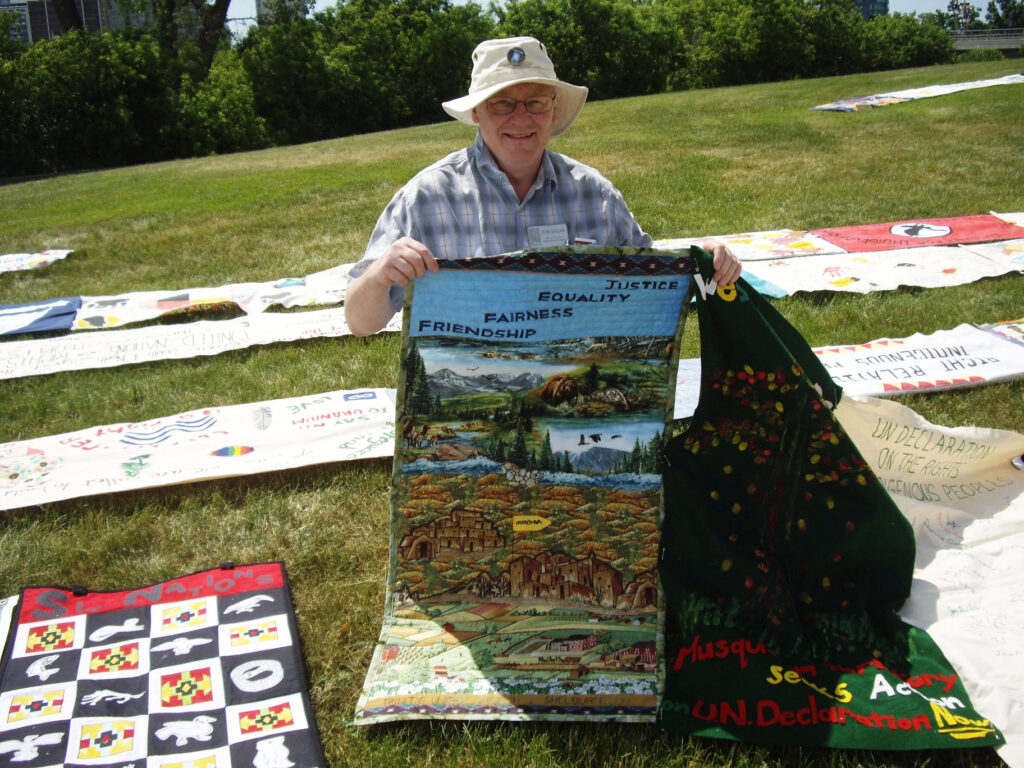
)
(727, 267)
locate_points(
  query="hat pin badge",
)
(516, 56)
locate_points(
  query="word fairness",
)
(508, 323)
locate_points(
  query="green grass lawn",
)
(695, 163)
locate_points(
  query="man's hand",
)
(727, 267)
(368, 299)
(405, 260)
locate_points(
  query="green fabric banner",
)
(784, 561)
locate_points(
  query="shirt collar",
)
(485, 160)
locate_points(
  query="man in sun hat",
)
(504, 193)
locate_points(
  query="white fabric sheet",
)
(324, 288)
(964, 496)
(13, 262)
(107, 349)
(925, 267)
(202, 444)
(965, 356)
(759, 246)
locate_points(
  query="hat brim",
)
(569, 101)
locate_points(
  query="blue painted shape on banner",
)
(360, 396)
(39, 316)
(765, 287)
(542, 307)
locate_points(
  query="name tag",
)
(549, 235)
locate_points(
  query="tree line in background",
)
(180, 87)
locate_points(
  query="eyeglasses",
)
(535, 105)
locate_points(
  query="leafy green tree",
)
(1005, 14)
(547, 457)
(614, 47)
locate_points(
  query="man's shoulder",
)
(455, 164)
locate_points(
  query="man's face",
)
(517, 140)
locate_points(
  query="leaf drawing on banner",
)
(262, 417)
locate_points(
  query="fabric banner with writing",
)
(327, 287)
(916, 233)
(533, 400)
(38, 316)
(199, 445)
(14, 262)
(203, 670)
(965, 356)
(784, 562)
(909, 94)
(883, 270)
(112, 348)
(962, 489)
(761, 246)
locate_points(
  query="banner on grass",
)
(326, 287)
(38, 316)
(108, 349)
(13, 262)
(925, 267)
(526, 495)
(909, 94)
(199, 445)
(917, 233)
(784, 562)
(964, 356)
(759, 246)
(203, 670)
(962, 489)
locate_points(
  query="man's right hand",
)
(404, 260)
(368, 299)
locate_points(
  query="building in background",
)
(869, 8)
(37, 19)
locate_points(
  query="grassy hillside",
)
(704, 162)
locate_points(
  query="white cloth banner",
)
(1009, 253)
(759, 246)
(327, 287)
(925, 267)
(199, 445)
(962, 490)
(1012, 218)
(965, 356)
(13, 262)
(107, 349)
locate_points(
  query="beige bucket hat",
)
(498, 64)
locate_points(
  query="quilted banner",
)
(113, 348)
(38, 316)
(918, 232)
(327, 287)
(13, 262)
(203, 444)
(882, 270)
(204, 670)
(526, 499)
(784, 562)
(965, 356)
(962, 489)
(909, 94)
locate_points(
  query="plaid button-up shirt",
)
(463, 206)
